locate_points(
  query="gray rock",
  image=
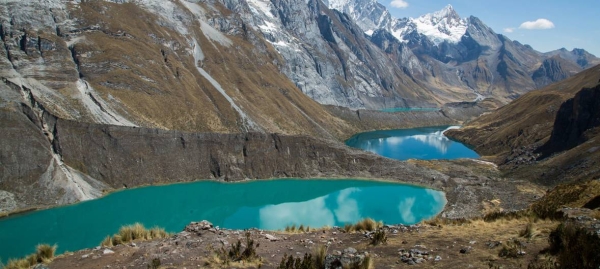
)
(271, 238)
(107, 251)
(350, 250)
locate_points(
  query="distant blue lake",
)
(428, 143)
(271, 204)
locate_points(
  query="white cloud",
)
(347, 211)
(312, 213)
(405, 209)
(509, 30)
(538, 24)
(399, 3)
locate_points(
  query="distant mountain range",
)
(239, 65)
(449, 54)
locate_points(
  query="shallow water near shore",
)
(427, 143)
(268, 204)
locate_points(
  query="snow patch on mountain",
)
(263, 7)
(443, 25)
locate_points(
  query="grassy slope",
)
(166, 91)
(524, 125)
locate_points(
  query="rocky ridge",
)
(421, 245)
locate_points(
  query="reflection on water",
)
(391, 204)
(420, 143)
(270, 204)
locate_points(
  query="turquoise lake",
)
(270, 204)
(427, 143)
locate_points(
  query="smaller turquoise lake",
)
(270, 204)
(427, 143)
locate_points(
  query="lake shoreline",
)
(265, 204)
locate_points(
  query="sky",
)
(545, 25)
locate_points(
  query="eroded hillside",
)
(549, 135)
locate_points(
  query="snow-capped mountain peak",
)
(447, 12)
(440, 26)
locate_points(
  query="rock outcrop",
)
(575, 118)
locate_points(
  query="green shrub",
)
(379, 237)
(288, 262)
(511, 249)
(309, 261)
(290, 229)
(155, 264)
(236, 253)
(575, 247)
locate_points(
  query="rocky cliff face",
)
(190, 66)
(330, 59)
(80, 161)
(575, 118)
(552, 69)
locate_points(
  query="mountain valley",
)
(99, 96)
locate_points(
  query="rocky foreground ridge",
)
(421, 246)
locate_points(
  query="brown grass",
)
(366, 224)
(529, 231)
(249, 77)
(44, 254)
(566, 195)
(134, 232)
